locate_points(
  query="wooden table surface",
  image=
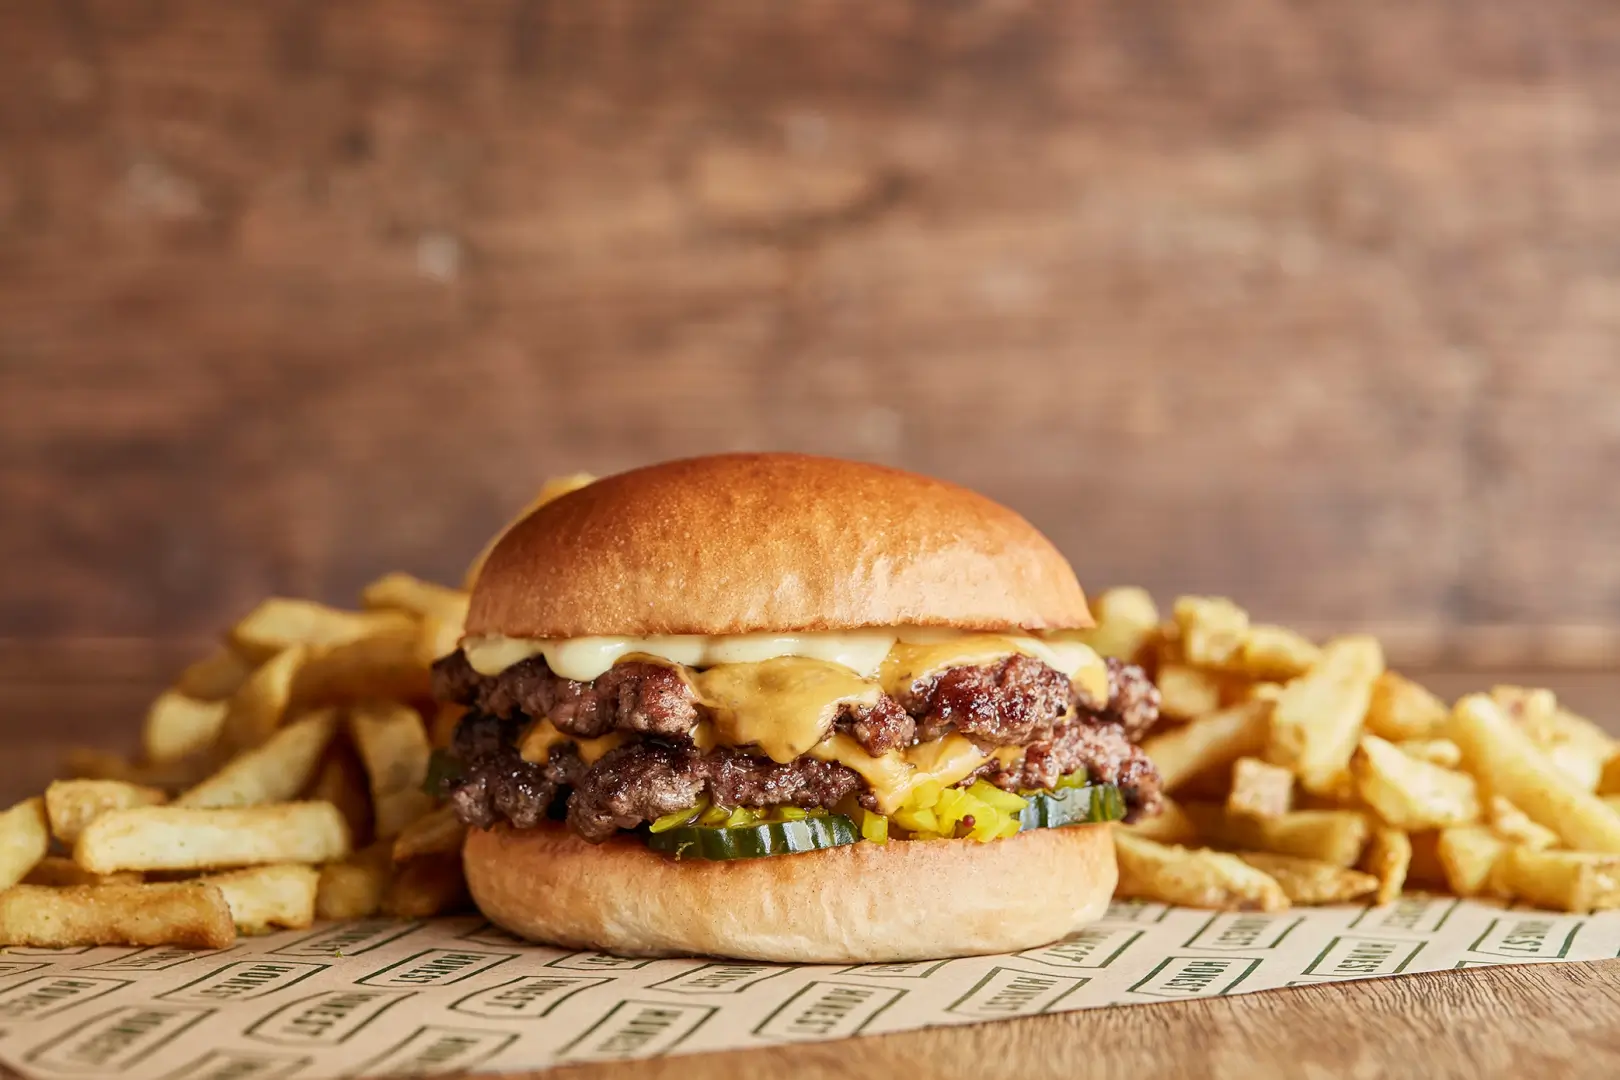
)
(1519, 1023)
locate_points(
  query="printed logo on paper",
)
(1196, 976)
(525, 998)
(915, 969)
(12, 968)
(828, 1010)
(158, 958)
(1529, 936)
(239, 1065)
(243, 980)
(435, 967)
(1011, 992)
(719, 978)
(595, 961)
(1093, 947)
(52, 994)
(1354, 957)
(115, 1040)
(349, 938)
(326, 1019)
(1136, 911)
(432, 1050)
(635, 1029)
(1415, 914)
(1245, 930)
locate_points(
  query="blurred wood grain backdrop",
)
(1316, 304)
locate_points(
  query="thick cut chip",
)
(24, 839)
(257, 709)
(266, 898)
(1412, 794)
(1515, 826)
(1468, 853)
(278, 624)
(1212, 628)
(1576, 745)
(355, 888)
(190, 914)
(1400, 709)
(1565, 880)
(1388, 858)
(178, 726)
(402, 592)
(1276, 653)
(215, 677)
(58, 870)
(275, 771)
(1209, 742)
(1508, 763)
(394, 747)
(1170, 825)
(1441, 752)
(1311, 881)
(390, 665)
(70, 805)
(1425, 869)
(1260, 789)
(437, 833)
(1334, 836)
(342, 782)
(1187, 692)
(1196, 877)
(430, 885)
(198, 838)
(1318, 717)
(1127, 620)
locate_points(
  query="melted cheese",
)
(784, 706)
(585, 658)
(543, 737)
(921, 653)
(894, 776)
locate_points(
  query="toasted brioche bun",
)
(739, 543)
(858, 903)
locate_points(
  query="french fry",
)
(555, 488)
(402, 592)
(182, 913)
(257, 709)
(57, 871)
(24, 839)
(1276, 653)
(1412, 794)
(389, 665)
(342, 782)
(91, 763)
(1310, 881)
(1576, 745)
(395, 750)
(1212, 630)
(1209, 742)
(1515, 826)
(70, 805)
(1196, 877)
(430, 885)
(1260, 789)
(1426, 868)
(1170, 825)
(1441, 752)
(279, 624)
(274, 771)
(215, 677)
(265, 898)
(1564, 880)
(1318, 717)
(1126, 620)
(1334, 836)
(355, 887)
(1388, 858)
(1609, 781)
(1468, 853)
(1509, 764)
(1612, 802)
(178, 726)
(438, 832)
(1400, 710)
(1186, 692)
(197, 838)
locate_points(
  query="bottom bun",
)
(858, 903)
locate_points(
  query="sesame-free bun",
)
(859, 903)
(739, 543)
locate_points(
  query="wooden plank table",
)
(1549, 1020)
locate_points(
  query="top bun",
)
(739, 543)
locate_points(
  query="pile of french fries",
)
(281, 780)
(1300, 773)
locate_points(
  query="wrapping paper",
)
(388, 998)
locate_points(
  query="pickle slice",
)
(1089, 805)
(811, 833)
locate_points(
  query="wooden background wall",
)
(1313, 303)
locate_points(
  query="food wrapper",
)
(388, 998)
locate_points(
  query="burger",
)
(788, 708)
